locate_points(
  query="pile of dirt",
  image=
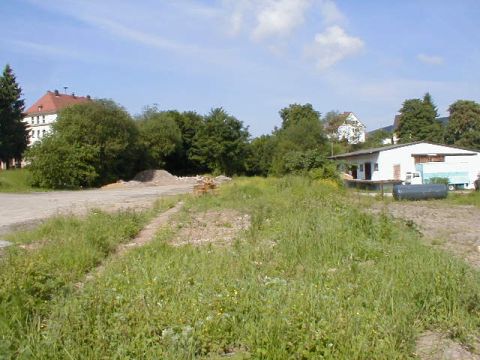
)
(219, 227)
(162, 178)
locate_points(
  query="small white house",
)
(401, 161)
(352, 129)
(43, 113)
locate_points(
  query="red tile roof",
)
(52, 102)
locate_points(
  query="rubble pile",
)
(163, 178)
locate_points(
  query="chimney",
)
(56, 92)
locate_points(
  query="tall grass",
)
(16, 180)
(314, 277)
(61, 251)
(472, 198)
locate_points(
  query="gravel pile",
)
(162, 178)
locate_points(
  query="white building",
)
(395, 161)
(41, 115)
(352, 129)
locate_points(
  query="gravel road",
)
(26, 210)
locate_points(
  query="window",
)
(361, 167)
(33, 133)
(38, 133)
(38, 119)
(43, 133)
(33, 120)
(375, 167)
(43, 119)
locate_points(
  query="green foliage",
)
(439, 180)
(301, 131)
(221, 143)
(92, 144)
(313, 277)
(464, 125)
(57, 164)
(418, 121)
(261, 151)
(13, 132)
(375, 139)
(31, 281)
(332, 122)
(160, 136)
(16, 180)
(328, 171)
(181, 161)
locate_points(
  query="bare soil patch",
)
(146, 235)
(454, 228)
(218, 227)
(438, 346)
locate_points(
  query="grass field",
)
(15, 180)
(313, 277)
(472, 198)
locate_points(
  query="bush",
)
(439, 180)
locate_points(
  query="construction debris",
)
(163, 178)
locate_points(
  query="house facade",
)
(395, 162)
(352, 129)
(43, 113)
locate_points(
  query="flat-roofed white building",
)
(395, 162)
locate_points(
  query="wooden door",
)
(396, 172)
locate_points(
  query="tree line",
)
(418, 121)
(98, 142)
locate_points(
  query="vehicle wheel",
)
(451, 187)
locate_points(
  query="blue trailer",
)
(457, 174)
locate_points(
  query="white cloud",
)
(330, 12)
(333, 45)
(430, 59)
(279, 17)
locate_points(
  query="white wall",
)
(402, 156)
(39, 126)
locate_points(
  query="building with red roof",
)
(43, 113)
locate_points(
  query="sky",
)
(251, 57)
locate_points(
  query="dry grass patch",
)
(220, 227)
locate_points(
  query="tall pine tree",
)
(13, 132)
(418, 121)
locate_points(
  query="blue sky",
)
(251, 57)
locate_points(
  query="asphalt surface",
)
(27, 210)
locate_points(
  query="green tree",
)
(261, 151)
(463, 128)
(160, 136)
(418, 121)
(105, 138)
(182, 162)
(13, 131)
(332, 121)
(297, 113)
(301, 131)
(221, 144)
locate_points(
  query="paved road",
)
(24, 210)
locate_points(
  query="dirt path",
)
(27, 210)
(454, 228)
(146, 235)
